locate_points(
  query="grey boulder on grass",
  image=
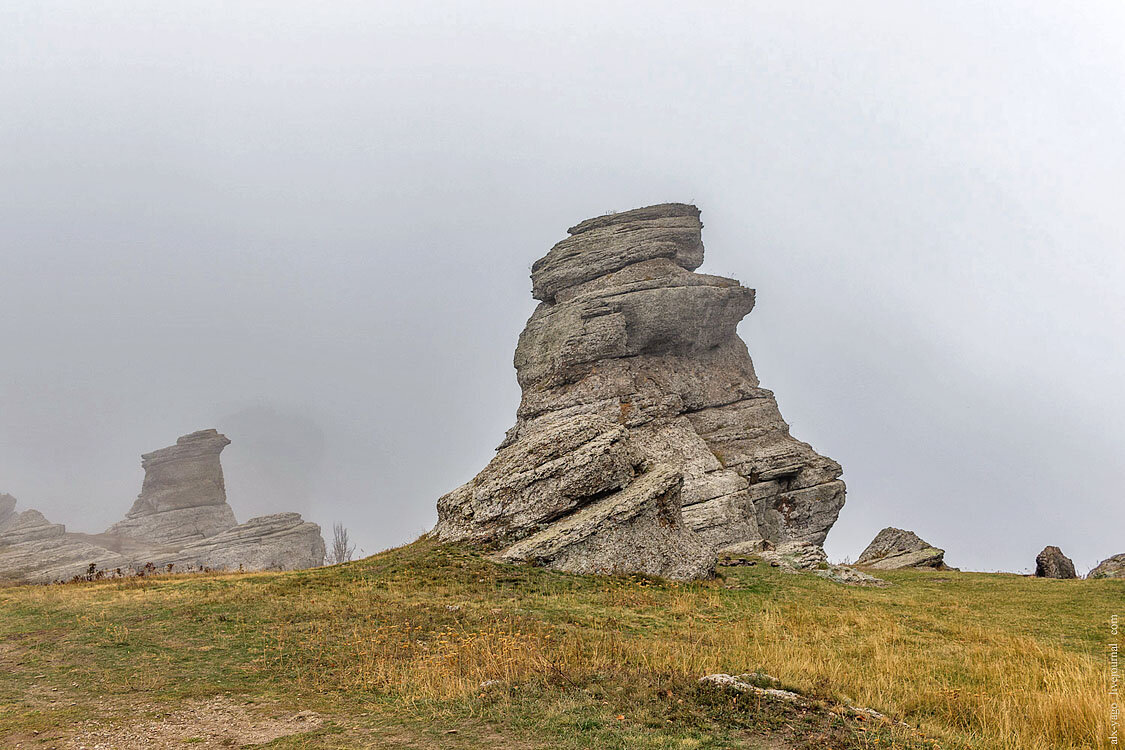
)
(1052, 563)
(643, 441)
(893, 549)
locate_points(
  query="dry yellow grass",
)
(995, 662)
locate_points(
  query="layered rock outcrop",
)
(631, 366)
(281, 541)
(30, 525)
(1111, 567)
(183, 497)
(181, 518)
(892, 549)
(1052, 563)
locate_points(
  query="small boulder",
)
(1052, 563)
(1111, 567)
(893, 549)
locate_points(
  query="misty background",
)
(311, 227)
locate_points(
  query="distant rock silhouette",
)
(183, 497)
(643, 441)
(180, 518)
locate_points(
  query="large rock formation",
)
(1111, 567)
(893, 548)
(183, 497)
(643, 440)
(1052, 563)
(181, 518)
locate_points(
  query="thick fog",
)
(311, 225)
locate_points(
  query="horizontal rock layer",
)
(282, 541)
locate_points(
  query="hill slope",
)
(428, 646)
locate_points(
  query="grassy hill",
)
(427, 646)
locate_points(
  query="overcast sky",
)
(310, 225)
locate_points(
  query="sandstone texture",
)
(893, 548)
(1052, 563)
(643, 440)
(1111, 567)
(181, 518)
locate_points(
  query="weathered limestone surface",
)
(1111, 567)
(535, 481)
(282, 541)
(34, 549)
(1052, 563)
(635, 530)
(631, 362)
(49, 559)
(181, 517)
(892, 549)
(183, 497)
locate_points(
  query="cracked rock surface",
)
(631, 365)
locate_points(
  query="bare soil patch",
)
(218, 723)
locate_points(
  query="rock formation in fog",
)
(643, 440)
(181, 518)
(34, 549)
(183, 496)
(30, 525)
(281, 541)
